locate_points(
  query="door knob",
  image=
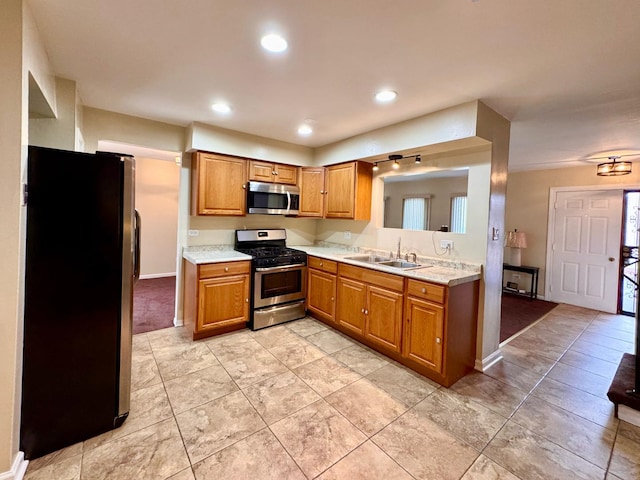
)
(611, 259)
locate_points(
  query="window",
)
(459, 213)
(415, 213)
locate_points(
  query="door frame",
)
(552, 220)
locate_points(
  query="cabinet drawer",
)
(426, 291)
(379, 279)
(209, 270)
(322, 264)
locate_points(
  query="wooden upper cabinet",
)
(348, 191)
(218, 185)
(272, 172)
(311, 192)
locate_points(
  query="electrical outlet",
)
(347, 234)
(446, 244)
(193, 233)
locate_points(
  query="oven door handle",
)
(281, 268)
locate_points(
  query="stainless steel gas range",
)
(279, 277)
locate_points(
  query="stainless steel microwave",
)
(273, 198)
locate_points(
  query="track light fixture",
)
(394, 158)
(418, 159)
(375, 166)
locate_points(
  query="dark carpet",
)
(153, 304)
(520, 312)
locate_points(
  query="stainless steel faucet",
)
(412, 255)
(398, 254)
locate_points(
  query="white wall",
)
(58, 132)
(157, 187)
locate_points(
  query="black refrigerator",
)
(82, 259)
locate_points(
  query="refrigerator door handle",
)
(136, 252)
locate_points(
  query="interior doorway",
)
(628, 291)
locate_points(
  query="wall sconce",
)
(613, 168)
(515, 240)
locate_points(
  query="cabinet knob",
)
(244, 186)
(366, 312)
(321, 192)
(424, 290)
(326, 192)
(438, 340)
(321, 264)
(226, 269)
(246, 300)
(332, 298)
(362, 310)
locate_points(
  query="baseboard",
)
(485, 363)
(18, 469)
(157, 275)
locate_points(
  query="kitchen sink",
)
(368, 258)
(400, 264)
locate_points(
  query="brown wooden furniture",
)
(428, 327)
(348, 190)
(272, 172)
(218, 184)
(216, 297)
(312, 192)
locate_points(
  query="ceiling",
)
(565, 73)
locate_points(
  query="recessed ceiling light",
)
(274, 43)
(386, 95)
(305, 129)
(221, 107)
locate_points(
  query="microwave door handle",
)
(288, 201)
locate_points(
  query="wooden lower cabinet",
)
(423, 332)
(321, 296)
(384, 318)
(216, 297)
(352, 299)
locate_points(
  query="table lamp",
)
(515, 240)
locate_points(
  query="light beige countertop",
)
(213, 254)
(436, 270)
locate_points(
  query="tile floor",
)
(301, 401)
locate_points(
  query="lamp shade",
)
(516, 239)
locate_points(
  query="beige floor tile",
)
(297, 352)
(516, 376)
(140, 345)
(457, 414)
(237, 337)
(229, 349)
(62, 469)
(155, 452)
(530, 456)
(360, 359)
(597, 351)
(215, 425)
(583, 404)
(259, 456)
(326, 375)
(367, 462)
(148, 406)
(274, 336)
(545, 349)
(247, 367)
(410, 437)
(280, 396)
(608, 330)
(317, 437)
(526, 359)
(589, 363)
(625, 461)
(493, 394)
(169, 338)
(586, 439)
(580, 379)
(306, 326)
(55, 457)
(144, 372)
(186, 474)
(604, 341)
(551, 333)
(402, 384)
(183, 359)
(486, 469)
(199, 387)
(619, 322)
(330, 341)
(366, 406)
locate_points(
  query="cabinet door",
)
(321, 294)
(220, 186)
(422, 341)
(340, 191)
(311, 192)
(261, 171)
(352, 299)
(383, 324)
(286, 174)
(223, 301)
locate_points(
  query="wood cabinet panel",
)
(209, 270)
(348, 190)
(218, 184)
(223, 301)
(381, 279)
(352, 299)
(321, 296)
(322, 264)
(423, 334)
(260, 171)
(312, 193)
(426, 290)
(272, 172)
(286, 174)
(383, 324)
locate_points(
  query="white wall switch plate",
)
(193, 233)
(446, 244)
(347, 235)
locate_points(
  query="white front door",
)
(585, 248)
